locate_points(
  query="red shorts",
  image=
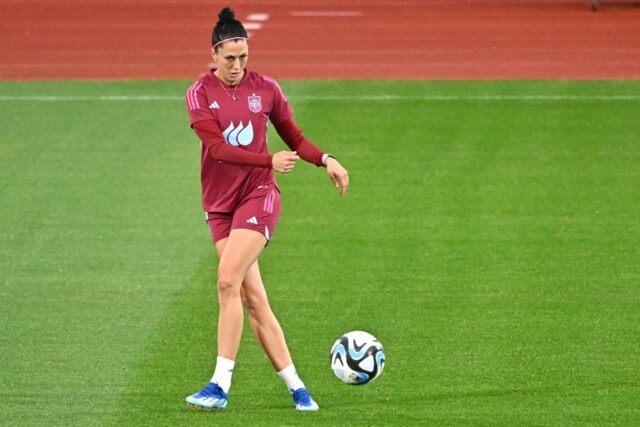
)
(259, 211)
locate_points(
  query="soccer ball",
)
(357, 357)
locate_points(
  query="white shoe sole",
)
(312, 408)
(197, 403)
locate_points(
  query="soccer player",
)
(229, 109)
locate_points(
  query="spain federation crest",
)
(255, 104)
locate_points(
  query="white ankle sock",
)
(291, 378)
(223, 372)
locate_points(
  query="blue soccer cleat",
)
(210, 397)
(303, 400)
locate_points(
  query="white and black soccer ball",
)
(357, 358)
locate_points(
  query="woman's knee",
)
(229, 284)
(255, 303)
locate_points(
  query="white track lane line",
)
(252, 26)
(257, 17)
(377, 98)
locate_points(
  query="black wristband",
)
(327, 157)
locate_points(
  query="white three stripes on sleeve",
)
(192, 96)
(275, 83)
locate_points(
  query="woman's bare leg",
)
(241, 250)
(263, 322)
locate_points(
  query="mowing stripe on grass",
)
(143, 98)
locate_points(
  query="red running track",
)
(391, 39)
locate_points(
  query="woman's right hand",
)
(284, 161)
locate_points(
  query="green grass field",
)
(491, 244)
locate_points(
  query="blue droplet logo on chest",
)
(239, 135)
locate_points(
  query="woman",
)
(229, 109)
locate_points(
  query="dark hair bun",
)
(226, 15)
(228, 27)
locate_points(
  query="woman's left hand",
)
(339, 175)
